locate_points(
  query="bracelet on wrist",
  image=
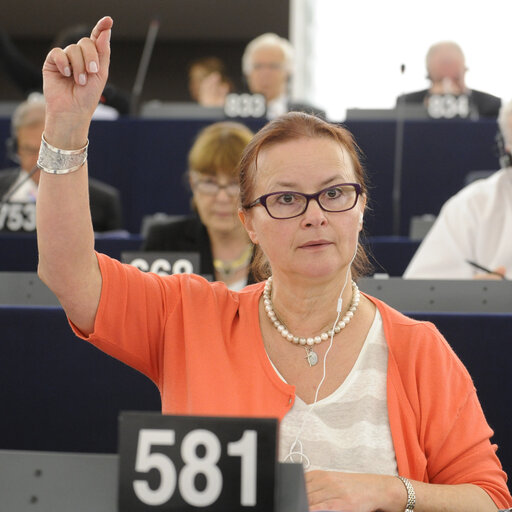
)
(411, 495)
(60, 161)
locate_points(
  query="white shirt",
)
(475, 224)
(27, 193)
(277, 107)
(349, 429)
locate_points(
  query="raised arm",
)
(73, 79)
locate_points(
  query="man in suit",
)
(446, 70)
(19, 185)
(267, 64)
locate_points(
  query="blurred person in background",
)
(446, 70)
(267, 64)
(208, 81)
(20, 184)
(473, 225)
(215, 231)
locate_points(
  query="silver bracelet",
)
(411, 495)
(60, 161)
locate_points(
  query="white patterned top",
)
(348, 430)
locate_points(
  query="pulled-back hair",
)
(293, 126)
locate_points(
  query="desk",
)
(483, 343)
(18, 252)
(145, 160)
(58, 393)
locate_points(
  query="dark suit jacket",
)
(186, 235)
(105, 201)
(486, 105)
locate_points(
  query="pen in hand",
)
(485, 269)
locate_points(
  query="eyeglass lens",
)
(211, 187)
(289, 204)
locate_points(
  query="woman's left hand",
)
(351, 492)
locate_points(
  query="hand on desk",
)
(350, 492)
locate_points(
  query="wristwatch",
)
(411, 495)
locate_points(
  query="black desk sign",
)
(179, 463)
(163, 262)
(18, 217)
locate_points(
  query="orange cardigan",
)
(201, 344)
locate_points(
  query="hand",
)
(212, 91)
(497, 275)
(73, 81)
(354, 492)
(448, 85)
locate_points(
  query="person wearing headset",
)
(267, 64)
(377, 406)
(19, 185)
(472, 226)
(446, 70)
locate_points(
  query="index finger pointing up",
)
(100, 36)
(103, 24)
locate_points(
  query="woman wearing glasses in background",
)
(376, 405)
(215, 231)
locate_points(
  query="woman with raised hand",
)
(376, 405)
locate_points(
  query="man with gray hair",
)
(473, 226)
(446, 70)
(267, 64)
(19, 185)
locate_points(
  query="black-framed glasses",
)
(288, 203)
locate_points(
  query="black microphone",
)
(154, 26)
(10, 192)
(399, 150)
(505, 158)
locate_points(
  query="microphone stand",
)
(399, 150)
(154, 26)
(5, 199)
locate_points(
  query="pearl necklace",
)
(307, 343)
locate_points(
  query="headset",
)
(11, 146)
(296, 446)
(505, 158)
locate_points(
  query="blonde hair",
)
(218, 148)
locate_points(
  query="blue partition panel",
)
(18, 252)
(59, 393)
(483, 343)
(145, 159)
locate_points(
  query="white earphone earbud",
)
(361, 218)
